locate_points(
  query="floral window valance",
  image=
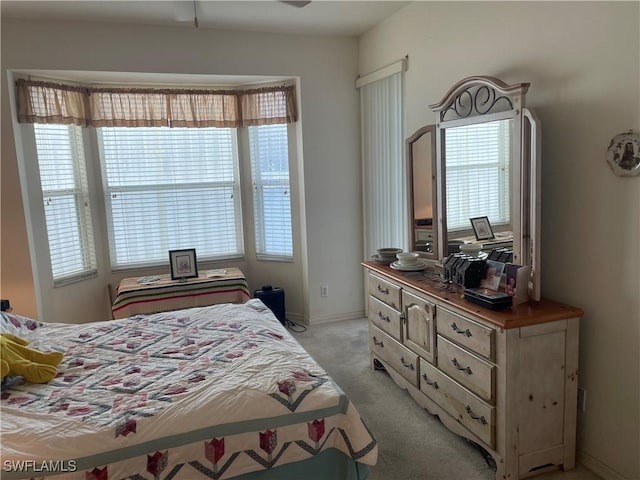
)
(47, 102)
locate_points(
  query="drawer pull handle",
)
(383, 317)
(456, 364)
(434, 384)
(385, 291)
(378, 343)
(480, 419)
(457, 330)
(407, 365)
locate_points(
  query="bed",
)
(214, 392)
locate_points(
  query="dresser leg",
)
(376, 364)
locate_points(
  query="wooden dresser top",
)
(525, 314)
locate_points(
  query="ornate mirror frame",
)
(481, 99)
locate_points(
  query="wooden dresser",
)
(506, 380)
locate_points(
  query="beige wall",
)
(328, 233)
(583, 63)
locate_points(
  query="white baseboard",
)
(297, 318)
(597, 467)
(337, 318)
(300, 318)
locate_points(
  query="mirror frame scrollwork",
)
(481, 99)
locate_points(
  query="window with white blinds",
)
(170, 188)
(477, 173)
(63, 179)
(271, 191)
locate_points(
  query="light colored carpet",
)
(412, 444)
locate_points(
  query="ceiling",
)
(318, 17)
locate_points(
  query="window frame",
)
(235, 184)
(257, 187)
(82, 200)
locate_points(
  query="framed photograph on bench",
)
(183, 264)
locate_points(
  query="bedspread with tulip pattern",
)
(211, 392)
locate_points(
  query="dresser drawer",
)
(471, 371)
(401, 359)
(424, 235)
(461, 404)
(384, 317)
(385, 291)
(467, 333)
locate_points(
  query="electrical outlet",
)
(582, 400)
(324, 290)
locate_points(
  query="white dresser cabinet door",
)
(419, 329)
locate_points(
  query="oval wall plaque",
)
(623, 154)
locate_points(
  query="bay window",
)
(169, 164)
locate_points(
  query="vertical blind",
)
(271, 190)
(385, 212)
(63, 179)
(168, 189)
(478, 173)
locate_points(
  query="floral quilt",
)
(211, 392)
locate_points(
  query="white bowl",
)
(407, 258)
(471, 248)
(388, 253)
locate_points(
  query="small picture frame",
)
(183, 264)
(492, 275)
(517, 282)
(482, 228)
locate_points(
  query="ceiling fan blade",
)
(297, 3)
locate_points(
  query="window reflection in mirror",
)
(478, 178)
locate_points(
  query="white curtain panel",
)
(384, 166)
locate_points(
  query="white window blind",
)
(385, 212)
(63, 178)
(271, 191)
(172, 188)
(477, 173)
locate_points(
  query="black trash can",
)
(274, 299)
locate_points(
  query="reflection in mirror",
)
(478, 181)
(421, 148)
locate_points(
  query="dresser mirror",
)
(421, 167)
(485, 165)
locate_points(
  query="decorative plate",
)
(419, 265)
(623, 154)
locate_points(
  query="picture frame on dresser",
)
(482, 228)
